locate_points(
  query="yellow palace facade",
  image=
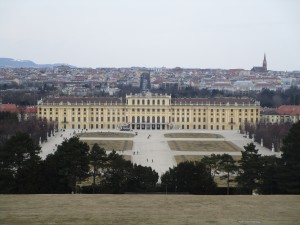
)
(149, 112)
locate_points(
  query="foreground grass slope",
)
(148, 209)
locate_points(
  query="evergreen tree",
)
(19, 163)
(212, 162)
(269, 175)
(192, 177)
(142, 179)
(290, 170)
(228, 167)
(72, 158)
(250, 169)
(98, 159)
(116, 174)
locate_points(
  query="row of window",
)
(152, 119)
(213, 111)
(113, 126)
(101, 109)
(147, 102)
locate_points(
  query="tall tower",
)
(265, 63)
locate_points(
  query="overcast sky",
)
(153, 33)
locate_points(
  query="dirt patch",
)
(193, 135)
(204, 146)
(117, 145)
(107, 134)
(183, 158)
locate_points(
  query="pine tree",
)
(228, 167)
(98, 159)
(250, 168)
(73, 161)
(290, 170)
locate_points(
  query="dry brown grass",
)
(148, 209)
(223, 182)
(183, 158)
(193, 135)
(109, 145)
(127, 157)
(204, 146)
(107, 135)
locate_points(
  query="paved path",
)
(52, 142)
(151, 149)
(154, 150)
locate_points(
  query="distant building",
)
(243, 85)
(283, 114)
(22, 112)
(150, 111)
(222, 86)
(170, 85)
(262, 69)
(145, 83)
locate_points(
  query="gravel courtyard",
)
(151, 148)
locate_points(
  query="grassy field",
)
(183, 158)
(107, 134)
(193, 135)
(148, 209)
(117, 145)
(205, 146)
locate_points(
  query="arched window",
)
(148, 102)
(158, 102)
(148, 119)
(158, 119)
(163, 102)
(138, 102)
(163, 119)
(133, 119)
(153, 102)
(138, 119)
(153, 119)
(143, 102)
(143, 119)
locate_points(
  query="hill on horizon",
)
(13, 63)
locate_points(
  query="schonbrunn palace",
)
(149, 111)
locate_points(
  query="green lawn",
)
(109, 145)
(107, 134)
(148, 209)
(193, 135)
(206, 146)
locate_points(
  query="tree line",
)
(267, 98)
(253, 173)
(38, 130)
(23, 171)
(270, 134)
(74, 167)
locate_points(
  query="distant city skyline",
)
(223, 34)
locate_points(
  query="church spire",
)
(265, 63)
